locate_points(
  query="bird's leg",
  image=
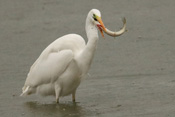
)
(57, 100)
(57, 96)
(57, 93)
(73, 96)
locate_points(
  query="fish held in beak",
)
(102, 28)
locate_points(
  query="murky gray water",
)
(131, 76)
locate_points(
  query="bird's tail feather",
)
(25, 90)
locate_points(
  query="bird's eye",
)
(94, 17)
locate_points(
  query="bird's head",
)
(95, 16)
(96, 19)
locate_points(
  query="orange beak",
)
(100, 26)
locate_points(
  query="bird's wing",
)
(48, 69)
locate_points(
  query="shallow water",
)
(131, 76)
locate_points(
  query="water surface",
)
(131, 76)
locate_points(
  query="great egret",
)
(61, 66)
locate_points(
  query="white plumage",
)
(61, 66)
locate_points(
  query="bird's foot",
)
(73, 100)
(57, 101)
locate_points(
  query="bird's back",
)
(72, 42)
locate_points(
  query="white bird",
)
(61, 66)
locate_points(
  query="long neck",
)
(89, 50)
(92, 35)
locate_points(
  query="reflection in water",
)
(53, 109)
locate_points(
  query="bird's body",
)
(58, 68)
(61, 66)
